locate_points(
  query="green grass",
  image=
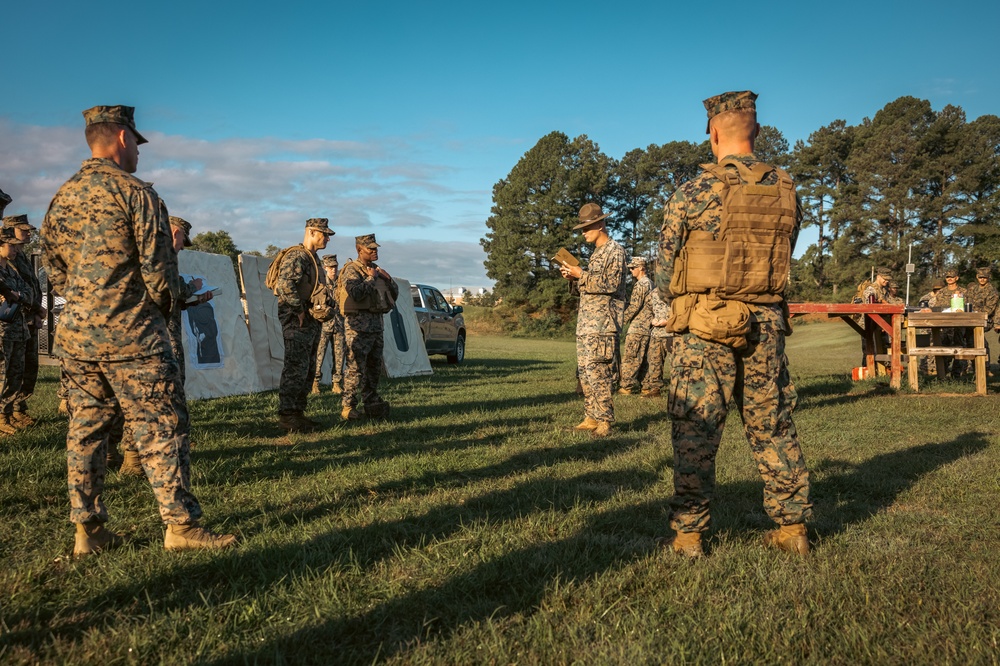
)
(473, 527)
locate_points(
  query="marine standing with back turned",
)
(299, 285)
(108, 253)
(599, 321)
(731, 321)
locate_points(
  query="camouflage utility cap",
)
(951, 272)
(893, 284)
(590, 215)
(983, 272)
(637, 262)
(884, 271)
(8, 237)
(368, 241)
(330, 261)
(937, 285)
(320, 224)
(729, 101)
(119, 115)
(179, 223)
(17, 222)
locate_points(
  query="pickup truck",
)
(441, 323)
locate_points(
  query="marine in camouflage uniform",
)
(363, 331)
(14, 333)
(331, 334)
(706, 376)
(599, 321)
(957, 336)
(660, 340)
(298, 274)
(108, 253)
(983, 297)
(32, 316)
(637, 317)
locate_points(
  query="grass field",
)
(473, 527)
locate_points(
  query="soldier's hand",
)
(371, 272)
(196, 284)
(384, 275)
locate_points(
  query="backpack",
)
(320, 305)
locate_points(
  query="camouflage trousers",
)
(364, 368)
(634, 360)
(656, 357)
(30, 376)
(11, 374)
(332, 337)
(147, 392)
(595, 358)
(705, 377)
(299, 366)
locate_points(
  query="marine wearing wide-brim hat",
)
(366, 241)
(180, 223)
(18, 222)
(119, 115)
(330, 261)
(590, 215)
(320, 224)
(729, 101)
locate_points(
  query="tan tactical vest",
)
(748, 259)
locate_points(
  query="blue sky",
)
(398, 118)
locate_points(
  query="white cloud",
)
(261, 191)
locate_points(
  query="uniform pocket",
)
(686, 371)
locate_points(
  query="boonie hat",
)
(320, 224)
(729, 101)
(590, 215)
(120, 115)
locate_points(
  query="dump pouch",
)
(680, 313)
(723, 321)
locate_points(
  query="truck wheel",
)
(459, 354)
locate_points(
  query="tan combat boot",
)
(195, 537)
(350, 414)
(131, 466)
(64, 407)
(603, 429)
(22, 420)
(315, 388)
(6, 426)
(789, 537)
(651, 393)
(588, 423)
(336, 388)
(94, 537)
(687, 544)
(627, 391)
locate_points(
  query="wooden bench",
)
(937, 321)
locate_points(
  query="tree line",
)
(908, 178)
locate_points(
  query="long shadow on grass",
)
(591, 451)
(512, 582)
(836, 391)
(844, 493)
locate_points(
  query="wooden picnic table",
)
(877, 317)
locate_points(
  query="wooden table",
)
(875, 321)
(940, 320)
